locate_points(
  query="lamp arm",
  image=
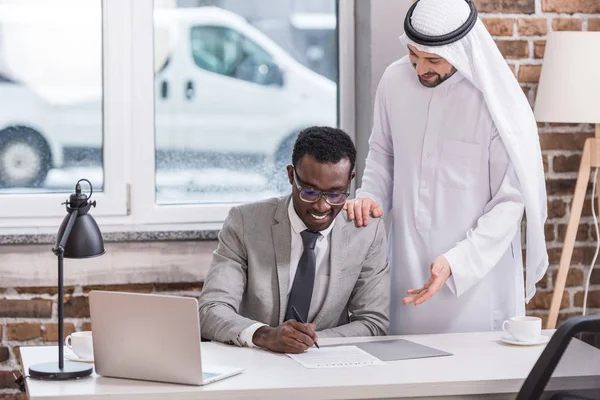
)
(59, 250)
(62, 241)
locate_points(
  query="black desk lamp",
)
(78, 237)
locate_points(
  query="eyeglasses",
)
(312, 196)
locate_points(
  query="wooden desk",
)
(481, 367)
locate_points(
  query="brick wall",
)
(28, 317)
(520, 28)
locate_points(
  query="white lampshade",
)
(569, 87)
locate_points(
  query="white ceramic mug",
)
(524, 329)
(81, 343)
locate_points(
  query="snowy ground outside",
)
(185, 186)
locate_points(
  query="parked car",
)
(224, 92)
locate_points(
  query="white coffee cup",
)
(524, 329)
(81, 343)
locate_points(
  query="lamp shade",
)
(569, 87)
(85, 239)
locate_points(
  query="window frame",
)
(33, 210)
(128, 202)
(204, 216)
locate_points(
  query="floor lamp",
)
(569, 92)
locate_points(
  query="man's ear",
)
(352, 175)
(290, 171)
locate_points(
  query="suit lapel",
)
(338, 245)
(282, 243)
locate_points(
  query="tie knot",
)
(309, 238)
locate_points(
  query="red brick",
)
(582, 233)
(587, 206)
(533, 26)
(51, 290)
(513, 49)
(499, 26)
(555, 187)
(529, 73)
(77, 307)
(525, 90)
(581, 255)
(549, 232)
(178, 287)
(556, 208)
(50, 331)
(17, 352)
(7, 380)
(13, 396)
(571, 6)
(593, 300)
(136, 288)
(563, 141)
(86, 326)
(595, 278)
(566, 163)
(35, 308)
(23, 331)
(542, 300)
(4, 354)
(566, 24)
(574, 277)
(513, 68)
(539, 48)
(594, 24)
(506, 6)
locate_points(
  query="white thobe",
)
(437, 162)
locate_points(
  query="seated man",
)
(299, 251)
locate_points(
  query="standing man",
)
(454, 152)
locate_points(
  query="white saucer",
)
(73, 357)
(540, 340)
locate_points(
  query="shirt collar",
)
(298, 226)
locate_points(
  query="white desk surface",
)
(480, 365)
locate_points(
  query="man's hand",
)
(361, 208)
(440, 272)
(289, 337)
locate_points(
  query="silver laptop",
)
(150, 337)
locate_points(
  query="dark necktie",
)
(304, 279)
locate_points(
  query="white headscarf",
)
(477, 57)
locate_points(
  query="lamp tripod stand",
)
(589, 159)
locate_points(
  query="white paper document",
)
(335, 357)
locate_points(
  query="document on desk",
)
(335, 357)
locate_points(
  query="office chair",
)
(534, 385)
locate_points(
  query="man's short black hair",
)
(325, 144)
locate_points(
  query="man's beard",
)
(436, 80)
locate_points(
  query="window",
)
(171, 131)
(52, 96)
(232, 100)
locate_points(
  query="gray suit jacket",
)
(249, 276)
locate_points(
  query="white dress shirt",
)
(437, 162)
(322, 269)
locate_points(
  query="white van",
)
(224, 89)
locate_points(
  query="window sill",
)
(131, 257)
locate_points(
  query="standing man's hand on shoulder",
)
(440, 272)
(361, 208)
(289, 337)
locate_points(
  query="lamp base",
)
(50, 371)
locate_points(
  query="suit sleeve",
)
(225, 284)
(370, 299)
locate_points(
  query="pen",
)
(299, 319)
